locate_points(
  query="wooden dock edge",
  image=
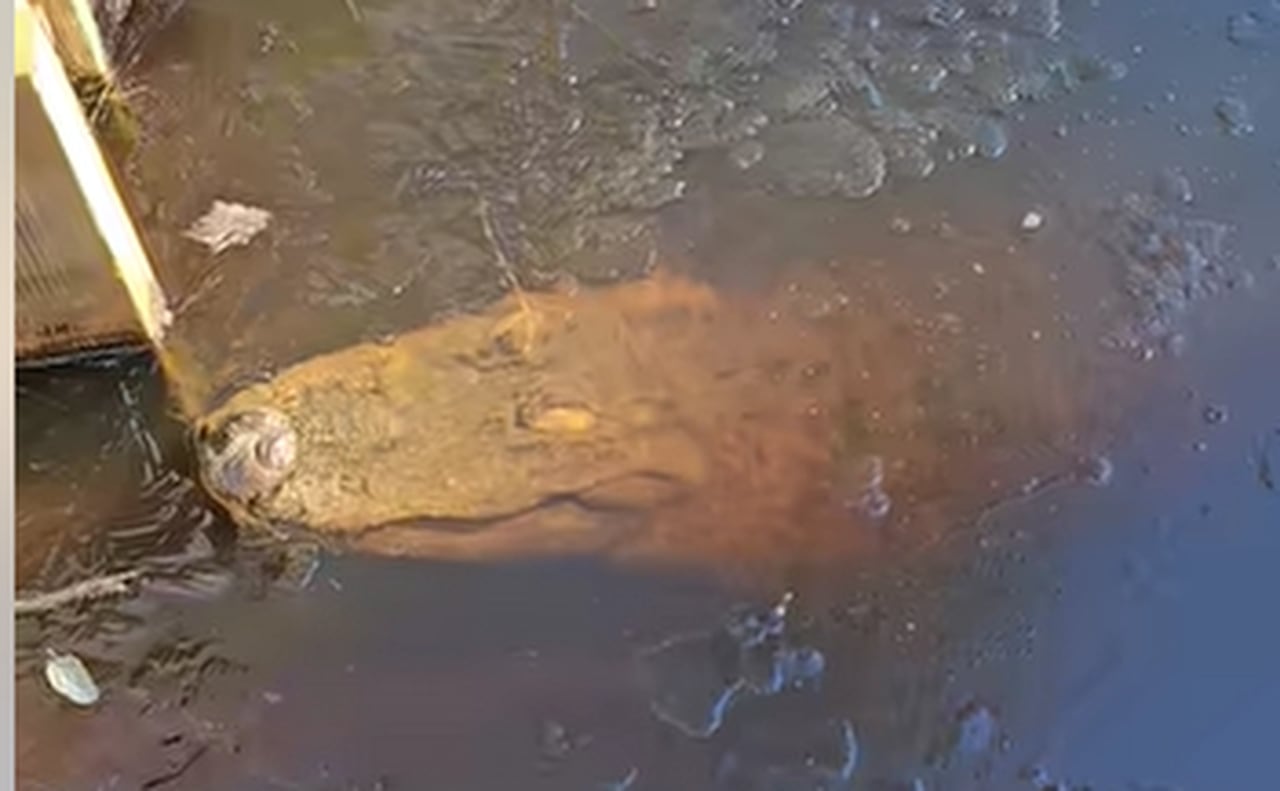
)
(37, 60)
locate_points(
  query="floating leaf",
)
(228, 225)
(68, 676)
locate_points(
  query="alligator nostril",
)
(276, 452)
(248, 455)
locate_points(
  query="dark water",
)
(1116, 636)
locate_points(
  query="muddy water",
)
(1076, 425)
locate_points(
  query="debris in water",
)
(975, 730)
(1242, 280)
(914, 784)
(689, 689)
(787, 746)
(287, 565)
(1234, 115)
(1096, 68)
(228, 225)
(875, 504)
(696, 679)
(1173, 187)
(991, 139)
(96, 588)
(1040, 17)
(625, 784)
(1175, 345)
(1032, 221)
(900, 225)
(176, 770)
(554, 741)
(68, 676)
(746, 154)
(1167, 261)
(862, 486)
(1266, 473)
(1037, 777)
(306, 564)
(200, 584)
(822, 159)
(1244, 29)
(943, 13)
(1096, 470)
(1214, 414)
(778, 613)
(1255, 27)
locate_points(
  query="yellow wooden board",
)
(74, 32)
(22, 33)
(83, 275)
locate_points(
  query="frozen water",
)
(695, 680)
(828, 158)
(1235, 116)
(1174, 187)
(788, 747)
(746, 154)
(974, 731)
(1215, 414)
(1166, 262)
(1256, 26)
(691, 690)
(991, 139)
(1096, 470)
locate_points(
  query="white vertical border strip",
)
(96, 183)
(8, 519)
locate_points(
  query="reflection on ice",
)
(781, 746)
(1167, 261)
(695, 680)
(691, 691)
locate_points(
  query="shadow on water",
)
(1000, 276)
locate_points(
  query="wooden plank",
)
(67, 297)
(75, 36)
(83, 276)
(22, 34)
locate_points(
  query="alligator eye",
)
(221, 436)
(214, 437)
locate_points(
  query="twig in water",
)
(619, 44)
(1029, 492)
(527, 313)
(206, 282)
(177, 771)
(355, 11)
(490, 235)
(95, 588)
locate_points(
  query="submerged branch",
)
(95, 588)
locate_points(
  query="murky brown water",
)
(1020, 480)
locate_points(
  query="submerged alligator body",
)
(657, 414)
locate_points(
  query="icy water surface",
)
(996, 508)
